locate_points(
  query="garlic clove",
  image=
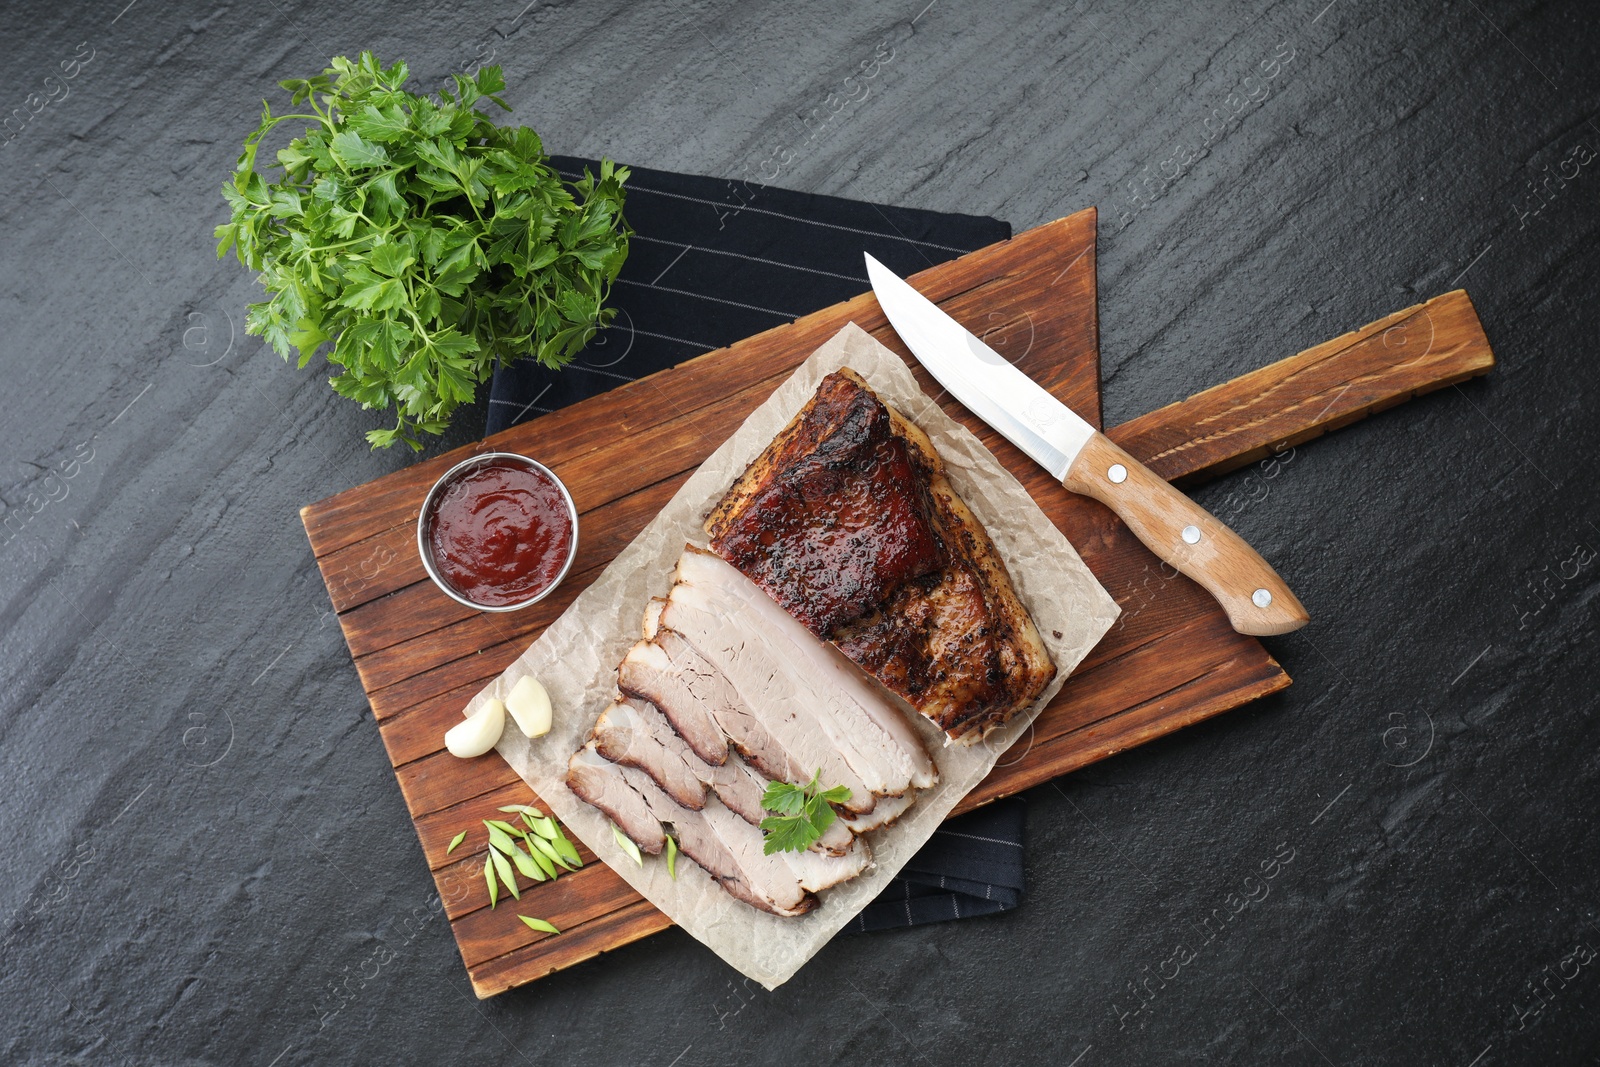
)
(478, 733)
(529, 705)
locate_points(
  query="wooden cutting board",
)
(1170, 660)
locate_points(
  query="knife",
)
(1084, 460)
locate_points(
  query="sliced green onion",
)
(626, 844)
(539, 924)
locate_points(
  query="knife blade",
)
(1175, 528)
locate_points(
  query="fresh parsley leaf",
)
(837, 795)
(426, 244)
(802, 813)
(783, 798)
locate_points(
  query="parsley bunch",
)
(427, 244)
(801, 813)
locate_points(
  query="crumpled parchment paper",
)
(576, 658)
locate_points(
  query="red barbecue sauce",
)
(500, 533)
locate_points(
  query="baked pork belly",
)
(810, 697)
(946, 632)
(690, 698)
(727, 847)
(652, 616)
(832, 517)
(741, 784)
(882, 814)
(634, 733)
(740, 787)
(599, 782)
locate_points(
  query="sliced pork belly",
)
(740, 869)
(597, 781)
(883, 813)
(647, 671)
(805, 689)
(638, 807)
(740, 787)
(634, 733)
(652, 616)
(689, 689)
(782, 741)
(812, 871)
(727, 847)
(817, 871)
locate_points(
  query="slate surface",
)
(207, 860)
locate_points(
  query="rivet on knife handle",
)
(1187, 536)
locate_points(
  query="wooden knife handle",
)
(1187, 536)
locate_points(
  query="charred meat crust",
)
(830, 518)
(1015, 667)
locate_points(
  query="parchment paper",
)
(576, 660)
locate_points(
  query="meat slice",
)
(727, 847)
(652, 616)
(634, 733)
(638, 807)
(740, 869)
(597, 781)
(693, 694)
(808, 693)
(885, 812)
(812, 871)
(684, 697)
(740, 787)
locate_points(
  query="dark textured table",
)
(1392, 862)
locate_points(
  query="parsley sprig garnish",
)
(802, 813)
(425, 243)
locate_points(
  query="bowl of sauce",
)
(498, 532)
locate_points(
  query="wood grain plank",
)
(630, 923)
(1422, 348)
(1163, 697)
(481, 666)
(484, 933)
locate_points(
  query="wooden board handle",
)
(1188, 537)
(1422, 348)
